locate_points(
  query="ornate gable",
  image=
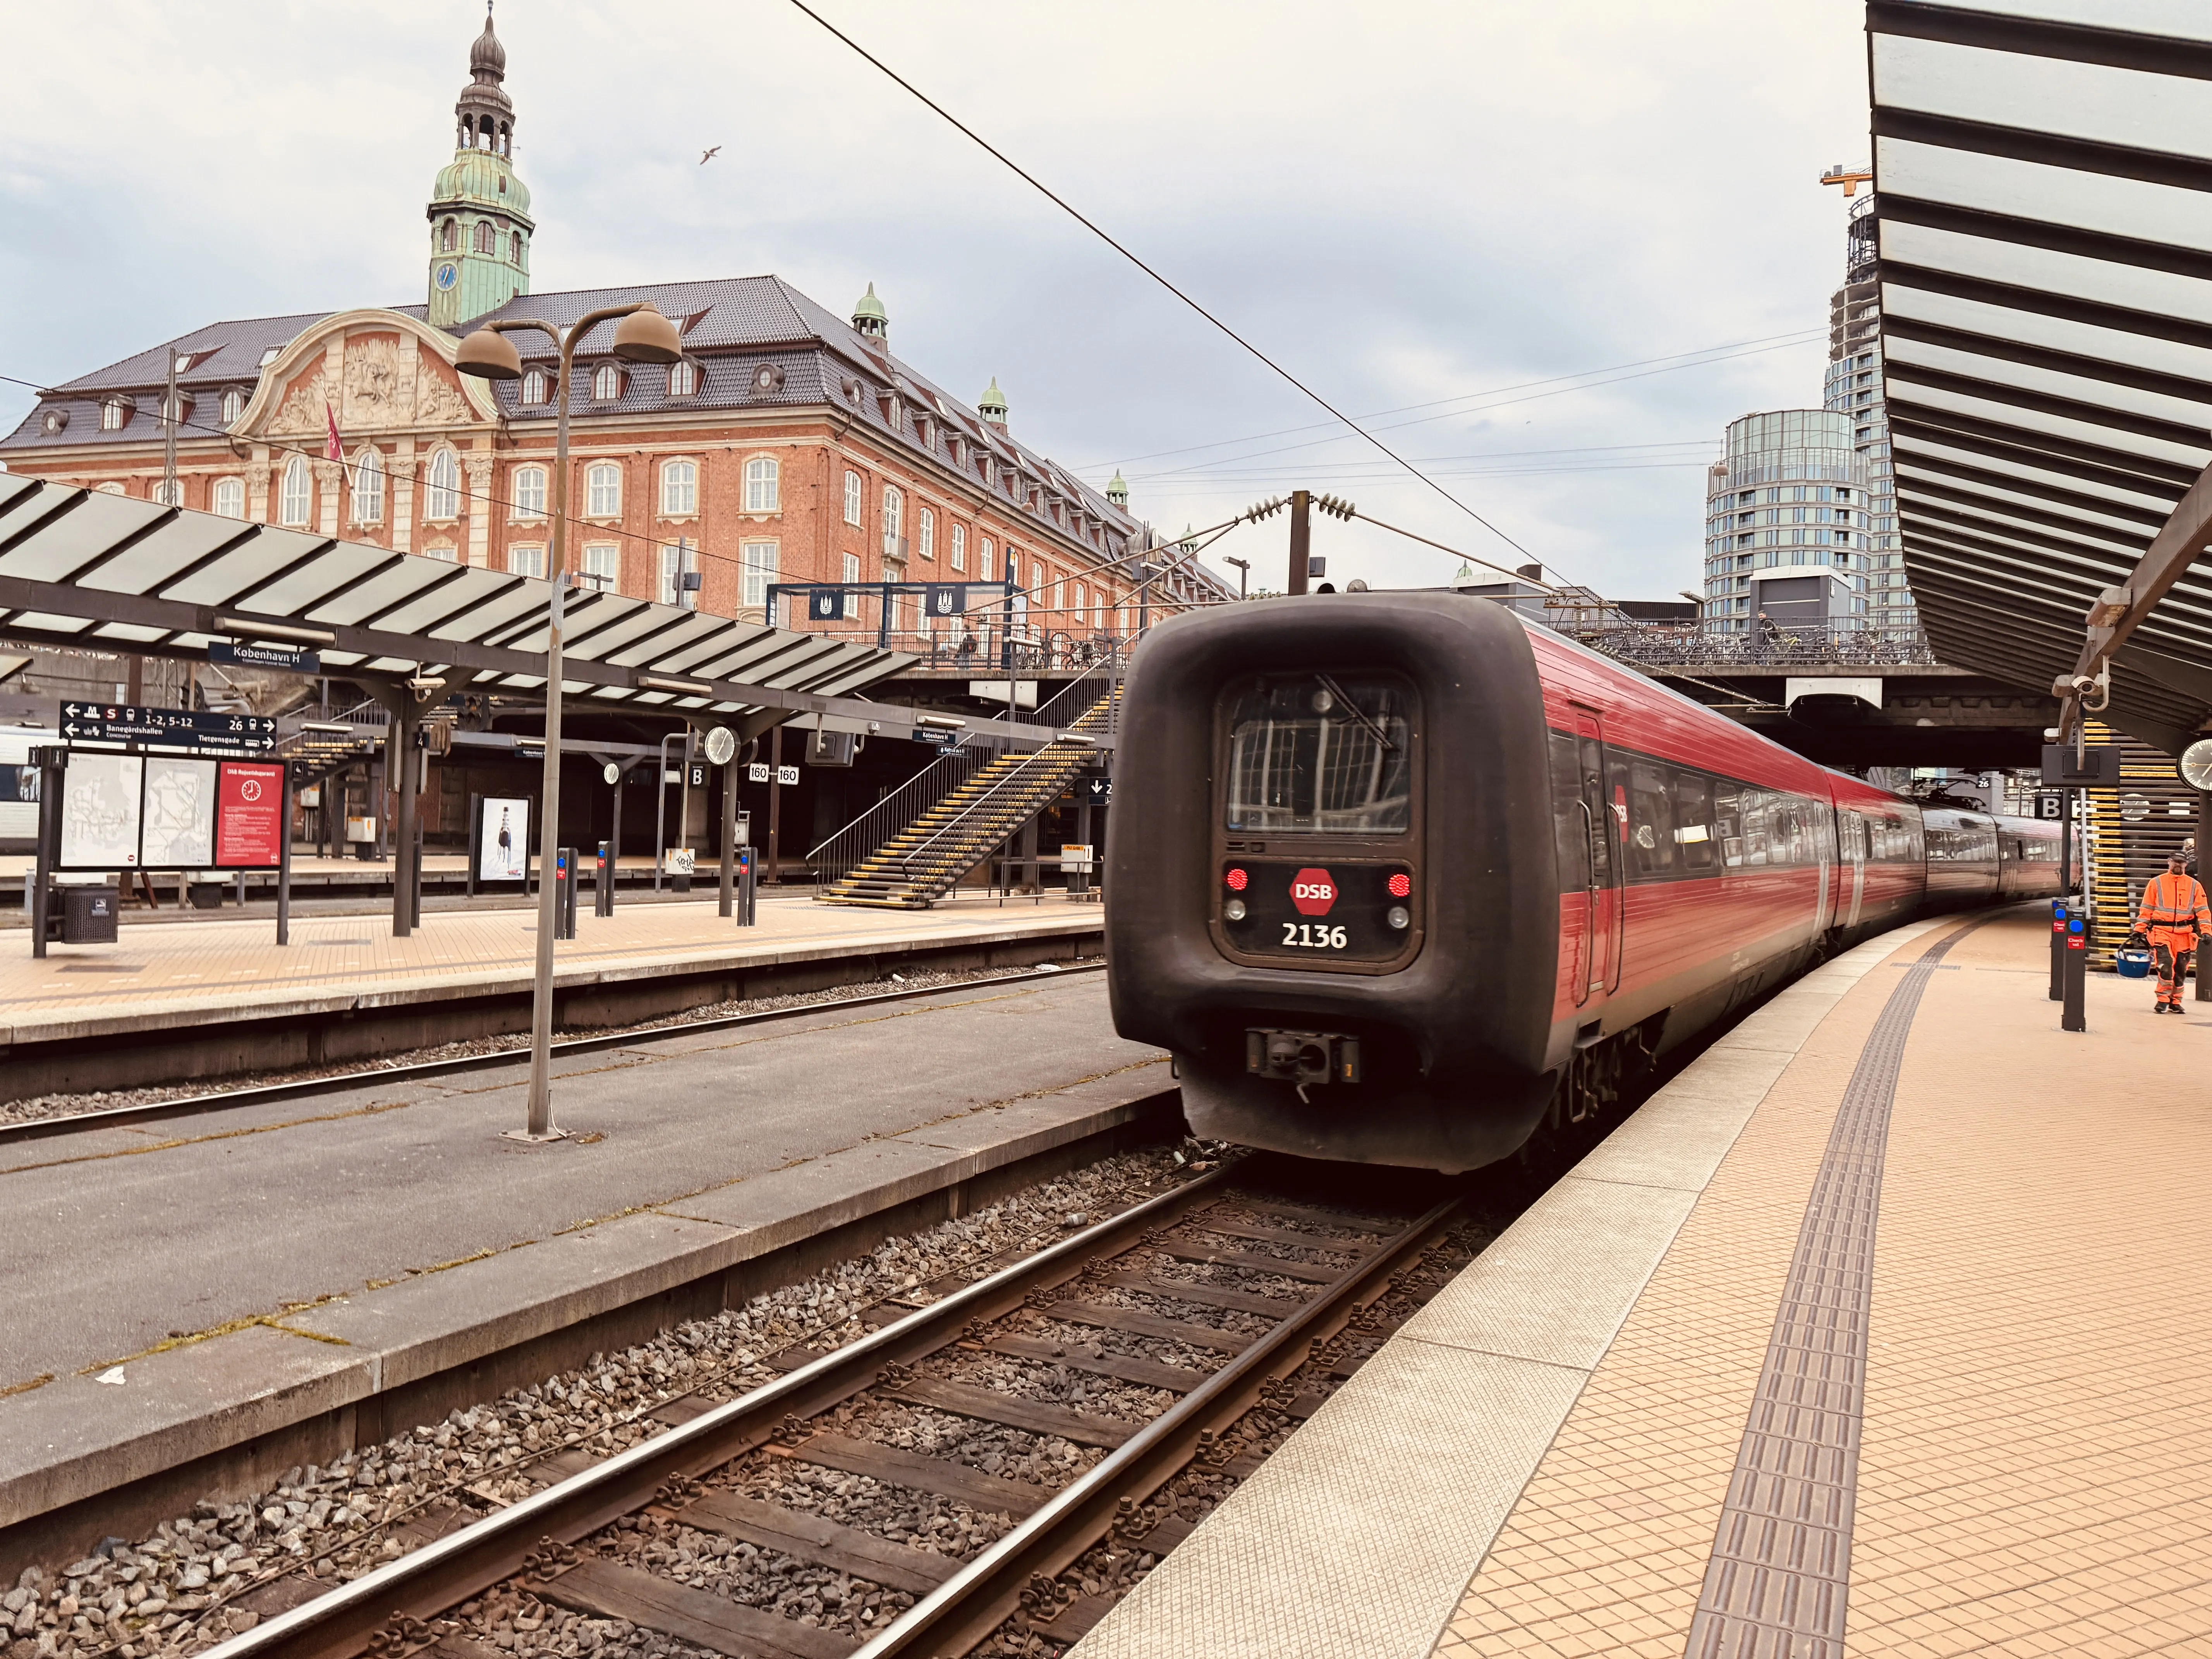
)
(378, 372)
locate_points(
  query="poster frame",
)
(222, 764)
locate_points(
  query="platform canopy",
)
(2043, 190)
(82, 568)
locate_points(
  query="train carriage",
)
(1399, 878)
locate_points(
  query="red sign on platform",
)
(1313, 891)
(249, 824)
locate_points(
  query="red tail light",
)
(1401, 884)
(1237, 880)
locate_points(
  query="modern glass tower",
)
(1852, 387)
(1786, 520)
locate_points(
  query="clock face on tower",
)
(449, 274)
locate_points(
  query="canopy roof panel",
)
(76, 565)
(2044, 193)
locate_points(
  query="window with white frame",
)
(852, 498)
(234, 405)
(894, 523)
(603, 490)
(442, 554)
(368, 488)
(607, 382)
(679, 488)
(114, 414)
(1059, 599)
(759, 564)
(527, 562)
(441, 495)
(602, 568)
(297, 498)
(674, 562)
(110, 488)
(852, 586)
(170, 492)
(763, 483)
(230, 497)
(530, 492)
(537, 386)
(959, 547)
(983, 566)
(683, 379)
(924, 533)
(1076, 621)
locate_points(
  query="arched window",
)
(230, 497)
(959, 547)
(449, 236)
(683, 379)
(115, 414)
(894, 521)
(110, 488)
(368, 488)
(607, 382)
(679, 488)
(852, 498)
(763, 484)
(924, 533)
(518, 247)
(170, 492)
(298, 498)
(441, 498)
(603, 490)
(535, 386)
(234, 405)
(530, 492)
(983, 567)
(487, 238)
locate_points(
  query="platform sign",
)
(503, 839)
(250, 827)
(756, 772)
(787, 776)
(1094, 792)
(292, 658)
(173, 729)
(2051, 803)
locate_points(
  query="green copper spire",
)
(869, 317)
(480, 223)
(993, 406)
(1118, 490)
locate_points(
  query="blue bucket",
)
(2132, 963)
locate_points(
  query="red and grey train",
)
(1400, 878)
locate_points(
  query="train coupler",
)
(1302, 1057)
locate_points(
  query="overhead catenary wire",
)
(1091, 225)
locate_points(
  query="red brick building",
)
(787, 445)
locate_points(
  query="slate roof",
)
(732, 325)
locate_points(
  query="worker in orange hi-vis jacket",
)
(2172, 914)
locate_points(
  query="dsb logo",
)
(1313, 891)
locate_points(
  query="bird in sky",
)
(709, 156)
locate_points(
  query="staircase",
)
(308, 739)
(920, 864)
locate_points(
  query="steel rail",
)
(968, 1607)
(382, 1609)
(40, 1128)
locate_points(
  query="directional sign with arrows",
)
(174, 728)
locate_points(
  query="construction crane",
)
(1850, 178)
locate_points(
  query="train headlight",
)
(1234, 909)
(1399, 916)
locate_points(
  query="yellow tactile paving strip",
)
(2036, 1470)
(216, 963)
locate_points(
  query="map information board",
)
(100, 796)
(180, 827)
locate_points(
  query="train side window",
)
(1651, 820)
(1693, 822)
(1727, 821)
(1567, 813)
(1755, 808)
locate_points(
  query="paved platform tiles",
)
(154, 972)
(1554, 1456)
(322, 1250)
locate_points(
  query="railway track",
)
(1136, 1370)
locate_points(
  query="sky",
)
(1552, 251)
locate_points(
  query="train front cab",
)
(1334, 877)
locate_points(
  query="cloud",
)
(1399, 203)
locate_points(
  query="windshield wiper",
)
(1357, 712)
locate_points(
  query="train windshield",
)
(1321, 754)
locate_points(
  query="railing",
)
(849, 848)
(1020, 774)
(1777, 647)
(369, 718)
(983, 649)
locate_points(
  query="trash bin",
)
(89, 915)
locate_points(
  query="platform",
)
(279, 1280)
(1880, 1330)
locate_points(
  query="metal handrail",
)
(896, 809)
(906, 859)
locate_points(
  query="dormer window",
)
(921, 430)
(683, 379)
(234, 405)
(607, 382)
(55, 422)
(537, 386)
(270, 355)
(115, 413)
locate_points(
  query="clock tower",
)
(480, 220)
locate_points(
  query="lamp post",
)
(644, 336)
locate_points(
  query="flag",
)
(332, 450)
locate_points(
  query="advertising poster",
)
(180, 830)
(503, 839)
(100, 811)
(250, 816)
